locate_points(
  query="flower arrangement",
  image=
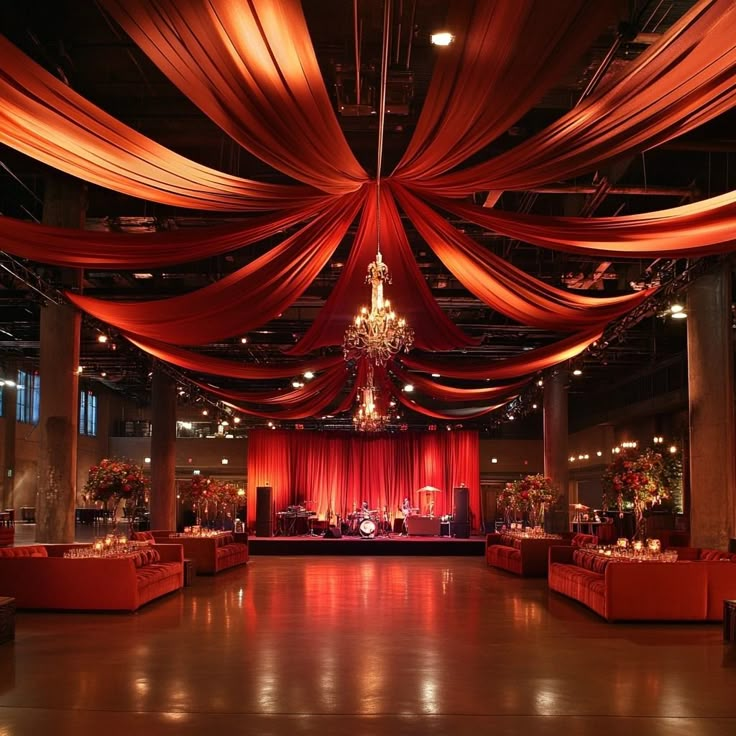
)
(637, 480)
(115, 480)
(532, 494)
(209, 497)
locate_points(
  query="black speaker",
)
(264, 511)
(461, 502)
(333, 532)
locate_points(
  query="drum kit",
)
(368, 523)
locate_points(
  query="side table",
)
(7, 619)
(189, 572)
(729, 621)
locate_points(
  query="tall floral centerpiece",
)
(537, 494)
(200, 493)
(508, 504)
(114, 481)
(636, 480)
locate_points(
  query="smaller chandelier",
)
(377, 334)
(367, 417)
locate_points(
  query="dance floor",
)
(364, 645)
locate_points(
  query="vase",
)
(640, 523)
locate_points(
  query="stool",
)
(729, 620)
(7, 619)
(189, 572)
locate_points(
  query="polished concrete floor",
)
(385, 645)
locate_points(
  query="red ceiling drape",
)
(679, 83)
(436, 390)
(504, 287)
(230, 368)
(90, 249)
(242, 300)
(338, 471)
(503, 51)
(251, 68)
(520, 365)
(698, 229)
(408, 291)
(45, 119)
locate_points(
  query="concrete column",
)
(163, 451)
(556, 445)
(9, 413)
(64, 206)
(711, 386)
(59, 424)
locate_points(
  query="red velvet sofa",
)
(39, 576)
(687, 590)
(210, 555)
(526, 556)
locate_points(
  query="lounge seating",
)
(689, 590)
(209, 554)
(526, 556)
(39, 576)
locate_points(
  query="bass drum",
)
(367, 528)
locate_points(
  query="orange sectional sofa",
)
(209, 554)
(526, 556)
(39, 576)
(687, 590)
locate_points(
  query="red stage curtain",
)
(45, 119)
(519, 365)
(242, 300)
(338, 471)
(408, 291)
(89, 249)
(508, 51)
(504, 287)
(231, 369)
(251, 68)
(698, 229)
(679, 83)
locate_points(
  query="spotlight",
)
(577, 372)
(308, 375)
(443, 38)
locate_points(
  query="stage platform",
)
(475, 546)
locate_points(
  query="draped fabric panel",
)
(90, 249)
(504, 287)
(229, 368)
(679, 83)
(327, 402)
(509, 51)
(702, 228)
(455, 415)
(329, 381)
(408, 291)
(242, 300)
(440, 391)
(45, 119)
(520, 365)
(337, 472)
(251, 68)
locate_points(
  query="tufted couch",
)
(210, 555)
(39, 576)
(526, 556)
(691, 589)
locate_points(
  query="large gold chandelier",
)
(377, 334)
(368, 417)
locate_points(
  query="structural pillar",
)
(64, 205)
(10, 397)
(163, 450)
(711, 397)
(556, 446)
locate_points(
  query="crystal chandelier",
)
(367, 417)
(377, 334)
